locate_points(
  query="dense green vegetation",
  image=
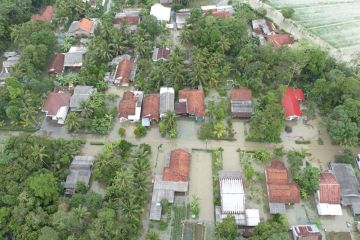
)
(227, 229)
(218, 114)
(96, 115)
(276, 228)
(168, 125)
(32, 206)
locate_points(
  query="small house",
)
(278, 40)
(150, 109)
(129, 17)
(279, 190)
(46, 15)
(328, 195)
(222, 12)
(125, 71)
(163, 14)
(81, 94)
(241, 102)
(84, 27)
(167, 98)
(130, 106)
(73, 59)
(191, 102)
(56, 106)
(80, 171)
(56, 66)
(233, 200)
(306, 232)
(262, 28)
(349, 185)
(291, 103)
(160, 53)
(12, 58)
(175, 179)
(181, 17)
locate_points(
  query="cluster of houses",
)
(267, 33)
(150, 108)
(58, 103)
(337, 187)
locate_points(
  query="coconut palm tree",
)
(87, 110)
(72, 122)
(219, 130)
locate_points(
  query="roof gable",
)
(55, 101)
(151, 107)
(179, 166)
(45, 16)
(195, 99)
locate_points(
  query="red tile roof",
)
(221, 14)
(54, 101)
(329, 188)
(276, 173)
(151, 107)
(56, 64)
(195, 101)
(123, 71)
(279, 40)
(306, 232)
(127, 104)
(290, 102)
(179, 167)
(129, 20)
(86, 25)
(45, 16)
(278, 186)
(240, 94)
(283, 193)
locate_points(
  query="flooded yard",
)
(201, 184)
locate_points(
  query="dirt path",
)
(201, 184)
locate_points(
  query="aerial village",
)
(174, 121)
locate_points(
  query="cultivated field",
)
(335, 21)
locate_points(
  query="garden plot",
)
(335, 21)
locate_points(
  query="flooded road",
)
(201, 184)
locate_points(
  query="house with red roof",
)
(150, 110)
(57, 105)
(328, 195)
(174, 180)
(46, 15)
(84, 27)
(306, 232)
(125, 71)
(279, 190)
(130, 106)
(129, 17)
(56, 64)
(291, 103)
(192, 103)
(241, 102)
(278, 40)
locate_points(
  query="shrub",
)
(122, 132)
(81, 187)
(287, 12)
(346, 157)
(140, 131)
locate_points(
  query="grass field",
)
(335, 21)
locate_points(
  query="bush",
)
(206, 131)
(81, 187)
(140, 131)
(76, 200)
(287, 12)
(122, 132)
(347, 157)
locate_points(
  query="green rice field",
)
(335, 21)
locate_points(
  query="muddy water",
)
(201, 184)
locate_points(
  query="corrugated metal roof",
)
(232, 196)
